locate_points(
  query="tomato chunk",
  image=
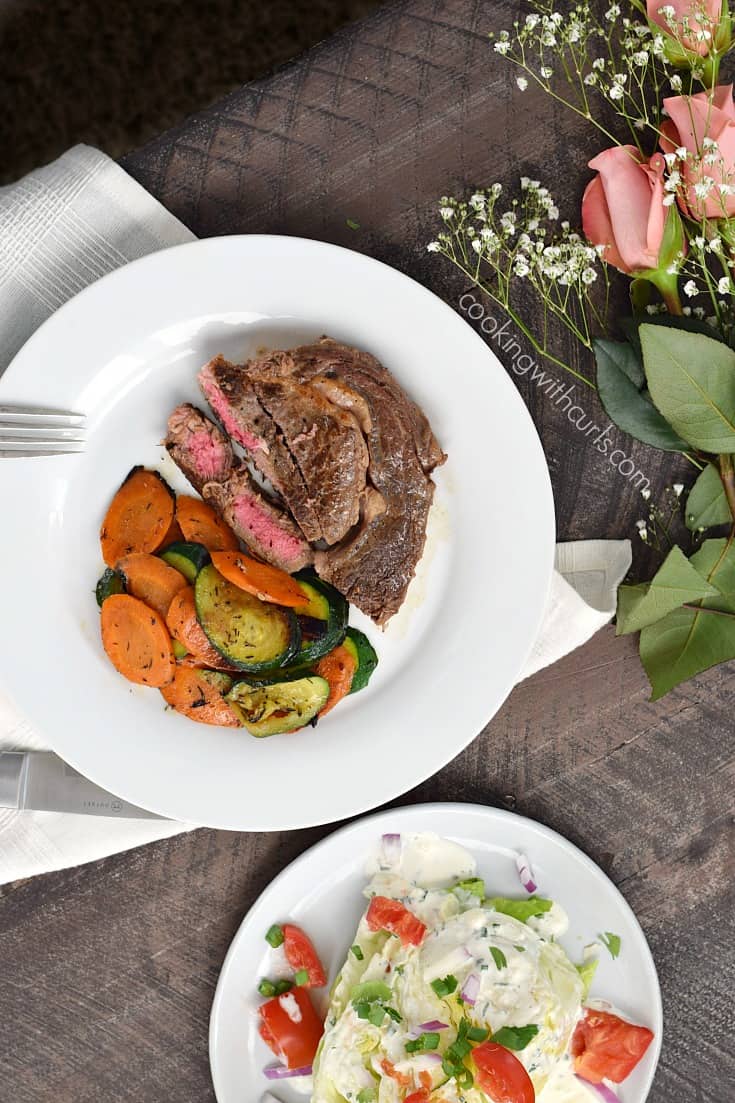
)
(291, 1027)
(606, 1047)
(501, 1075)
(301, 955)
(384, 914)
(421, 1096)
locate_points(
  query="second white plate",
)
(322, 892)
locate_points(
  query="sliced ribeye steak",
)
(204, 454)
(375, 563)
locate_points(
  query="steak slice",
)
(263, 526)
(327, 446)
(374, 565)
(204, 454)
(311, 449)
(198, 447)
(230, 393)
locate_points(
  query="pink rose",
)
(623, 208)
(690, 19)
(691, 120)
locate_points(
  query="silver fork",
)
(36, 431)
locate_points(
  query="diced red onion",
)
(605, 1093)
(280, 1072)
(391, 847)
(471, 989)
(525, 873)
(428, 1028)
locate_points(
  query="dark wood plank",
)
(108, 971)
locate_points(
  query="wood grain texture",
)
(108, 971)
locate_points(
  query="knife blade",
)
(43, 782)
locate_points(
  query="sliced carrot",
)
(174, 534)
(184, 626)
(139, 516)
(137, 641)
(266, 582)
(151, 579)
(338, 668)
(193, 696)
(200, 524)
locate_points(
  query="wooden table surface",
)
(109, 970)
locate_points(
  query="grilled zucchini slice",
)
(322, 617)
(283, 707)
(111, 582)
(251, 634)
(187, 557)
(364, 654)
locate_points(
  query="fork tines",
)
(39, 431)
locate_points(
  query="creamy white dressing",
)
(564, 1087)
(523, 977)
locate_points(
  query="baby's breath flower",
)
(675, 82)
(690, 289)
(698, 242)
(433, 247)
(502, 46)
(716, 245)
(640, 58)
(612, 13)
(598, 63)
(678, 489)
(616, 92)
(522, 83)
(723, 285)
(546, 72)
(669, 200)
(446, 213)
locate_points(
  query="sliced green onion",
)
(424, 1043)
(444, 986)
(358, 953)
(274, 936)
(477, 1034)
(393, 1014)
(283, 986)
(267, 988)
(499, 957)
(362, 1009)
(301, 978)
(376, 1015)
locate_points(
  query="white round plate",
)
(322, 892)
(125, 352)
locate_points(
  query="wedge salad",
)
(448, 994)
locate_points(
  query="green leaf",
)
(523, 910)
(611, 942)
(501, 961)
(587, 972)
(707, 504)
(620, 383)
(515, 1037)
(352, 224)
(675, 583)
(692, 382)
(688, 641)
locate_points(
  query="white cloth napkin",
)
(61, 228)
